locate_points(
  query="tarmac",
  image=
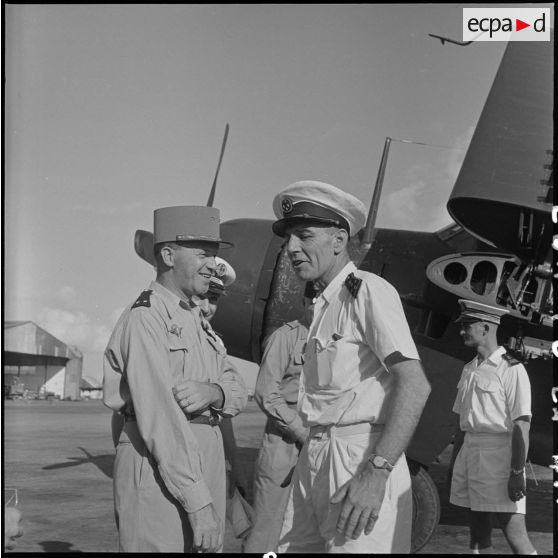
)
(59, 456)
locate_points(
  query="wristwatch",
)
(379, 462)
(517, 472)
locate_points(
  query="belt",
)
(212, 420)
(324, 430)
(192, 419)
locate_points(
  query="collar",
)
(172, 302)
(495, 358)
(338, 281)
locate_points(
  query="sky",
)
(112, 111)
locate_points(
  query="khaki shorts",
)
(481, 473)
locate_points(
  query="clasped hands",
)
(194, 396)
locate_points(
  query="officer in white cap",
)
(223, 277)
(487, 467)
(160, 345)
(362, 387)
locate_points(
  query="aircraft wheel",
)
(426, 508)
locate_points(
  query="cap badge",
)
(287, 205)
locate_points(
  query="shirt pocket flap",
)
(177, 343)
(486, 384)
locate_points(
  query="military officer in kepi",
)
(487, 467)
(362, 387)
(169, 473)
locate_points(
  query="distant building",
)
(90, 391)
(37, 364)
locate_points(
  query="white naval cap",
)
(472, 311)
(317, 201)
(224, 276)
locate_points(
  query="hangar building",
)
(35, 362)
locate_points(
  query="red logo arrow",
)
(519, 25)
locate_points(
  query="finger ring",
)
(374, 516)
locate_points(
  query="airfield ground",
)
(59, 456)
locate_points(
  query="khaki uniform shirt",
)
(278, 378)
(157, 343)
(344, 378)
(492, 394)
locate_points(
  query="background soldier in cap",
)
(223, 277)
(487, 468)
(276, 393)
(169, 474)
(362, 387)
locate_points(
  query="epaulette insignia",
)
(143, 300)
(353, 284)
(510, 359)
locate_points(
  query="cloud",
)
(67, 296)
(420, 203)
(74, 328)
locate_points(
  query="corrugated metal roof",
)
(15, 323)
(26, 337)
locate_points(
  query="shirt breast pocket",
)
(328, 362)
(178, 348)
(487, 386)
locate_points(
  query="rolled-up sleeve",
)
(234, 389)
(275, 360)
(162, 425)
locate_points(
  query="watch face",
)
(381, 463)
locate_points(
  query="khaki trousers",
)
(148, 518)
(275, 461)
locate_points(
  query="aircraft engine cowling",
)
(503, 193)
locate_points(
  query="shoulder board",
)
(144, 299)
(353, 284)
(510, 359)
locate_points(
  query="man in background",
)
(276, 393)
(487, 467)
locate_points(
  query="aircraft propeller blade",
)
(212, 193)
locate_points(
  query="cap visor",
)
(279, 226)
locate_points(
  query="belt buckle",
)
(213, 420)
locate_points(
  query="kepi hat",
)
(182, 223)
(318, 202)
(178, 224)
(472, 311)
